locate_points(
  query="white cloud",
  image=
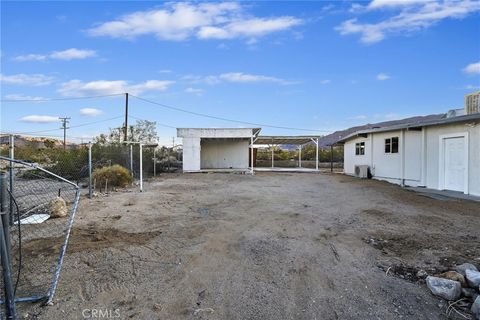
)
(26, 79)
(325, 81)
(235, 77)
(68, 54)
(72, 53)
(90, 112)
(383, 76)
(181, 21)
(472, 68)
(411, 18)
(375, 4)
(31, 57)
(241, 77)
(165, 71)
(23, 97)
(39, 119)
(78, 88)
(195, 91)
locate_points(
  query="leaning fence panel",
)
(41, 207)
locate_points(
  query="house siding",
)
(390, 167)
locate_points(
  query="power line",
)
(76, 126)
(224, 119)
(61, 99)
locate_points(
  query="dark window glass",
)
(360, 148)
(388, 145)
(395, 145)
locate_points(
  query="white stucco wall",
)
(215, 148)
(224, 154)
(191, 154)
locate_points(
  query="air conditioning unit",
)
(361, 171)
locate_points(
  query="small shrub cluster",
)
(115, 176)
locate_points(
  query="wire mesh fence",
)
(38, 214)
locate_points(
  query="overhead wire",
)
(175, 108)
(222, 118)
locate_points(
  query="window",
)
(360, 148)
(391, 145)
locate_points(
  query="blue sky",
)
(316, 65)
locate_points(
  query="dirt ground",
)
(269, 246)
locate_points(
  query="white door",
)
(455, 166)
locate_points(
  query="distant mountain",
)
(332, 138)
(35, 142)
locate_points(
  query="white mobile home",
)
(442, 154)
(207, 149)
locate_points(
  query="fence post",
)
(131, 160)
(90, 170)
(141, 167)
(11, 155)
(5, 252)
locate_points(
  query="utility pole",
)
(64, 127)
(125, 130)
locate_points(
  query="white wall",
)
(350, 160)
(224, 154)
(191, 154)
(389, 166)
(433, 134)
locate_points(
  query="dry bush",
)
(116, 176)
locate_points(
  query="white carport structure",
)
(218, 149)
(299, 141)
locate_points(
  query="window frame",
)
(389, 144)
(360, 148)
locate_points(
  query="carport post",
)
(251, 153)
(316, 155)
(273, 156)
(300, 156)
(141, 167)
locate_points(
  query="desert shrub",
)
(116, 176)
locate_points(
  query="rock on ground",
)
(455, 276)
(473, 278)
(465, 266)
(444, 288)
(58, 208)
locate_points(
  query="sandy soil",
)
(269, 246)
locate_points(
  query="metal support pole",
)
(90, 192)
(141, 167)
(131, 160)
(11, 173)
(125, 129)
(273, 156)
(331, 158)
(300, 156)
(5, 253)
(251, 153)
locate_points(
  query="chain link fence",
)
(38, 209)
